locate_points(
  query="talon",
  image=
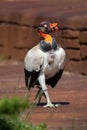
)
(49, 105)
(57, 105)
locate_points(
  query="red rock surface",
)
(70, 92)
(16, 35)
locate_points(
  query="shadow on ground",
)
(59, 103)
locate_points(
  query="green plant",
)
(4, 125)
(15, 123)
(10, 110)
(13, 105)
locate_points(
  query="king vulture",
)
(44, 63)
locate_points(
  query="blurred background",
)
(17, 37)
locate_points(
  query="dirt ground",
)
(70, 92)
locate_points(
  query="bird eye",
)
(45, 25)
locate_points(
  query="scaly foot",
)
(57, 105)
(49, 105)
(52, 105)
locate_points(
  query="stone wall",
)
(17, 37)
(74, 40)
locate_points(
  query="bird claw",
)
(57, 105)
(51, 105)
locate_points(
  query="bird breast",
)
(53, 62)
(48, 63)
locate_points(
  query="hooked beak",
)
(54, 27)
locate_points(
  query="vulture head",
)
(47, 27)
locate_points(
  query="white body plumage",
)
(36, 58)
(48, 63)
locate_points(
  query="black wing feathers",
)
(53, 80)
(31, 78)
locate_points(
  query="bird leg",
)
(49, 103)
(44, 88)
(38, 96)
